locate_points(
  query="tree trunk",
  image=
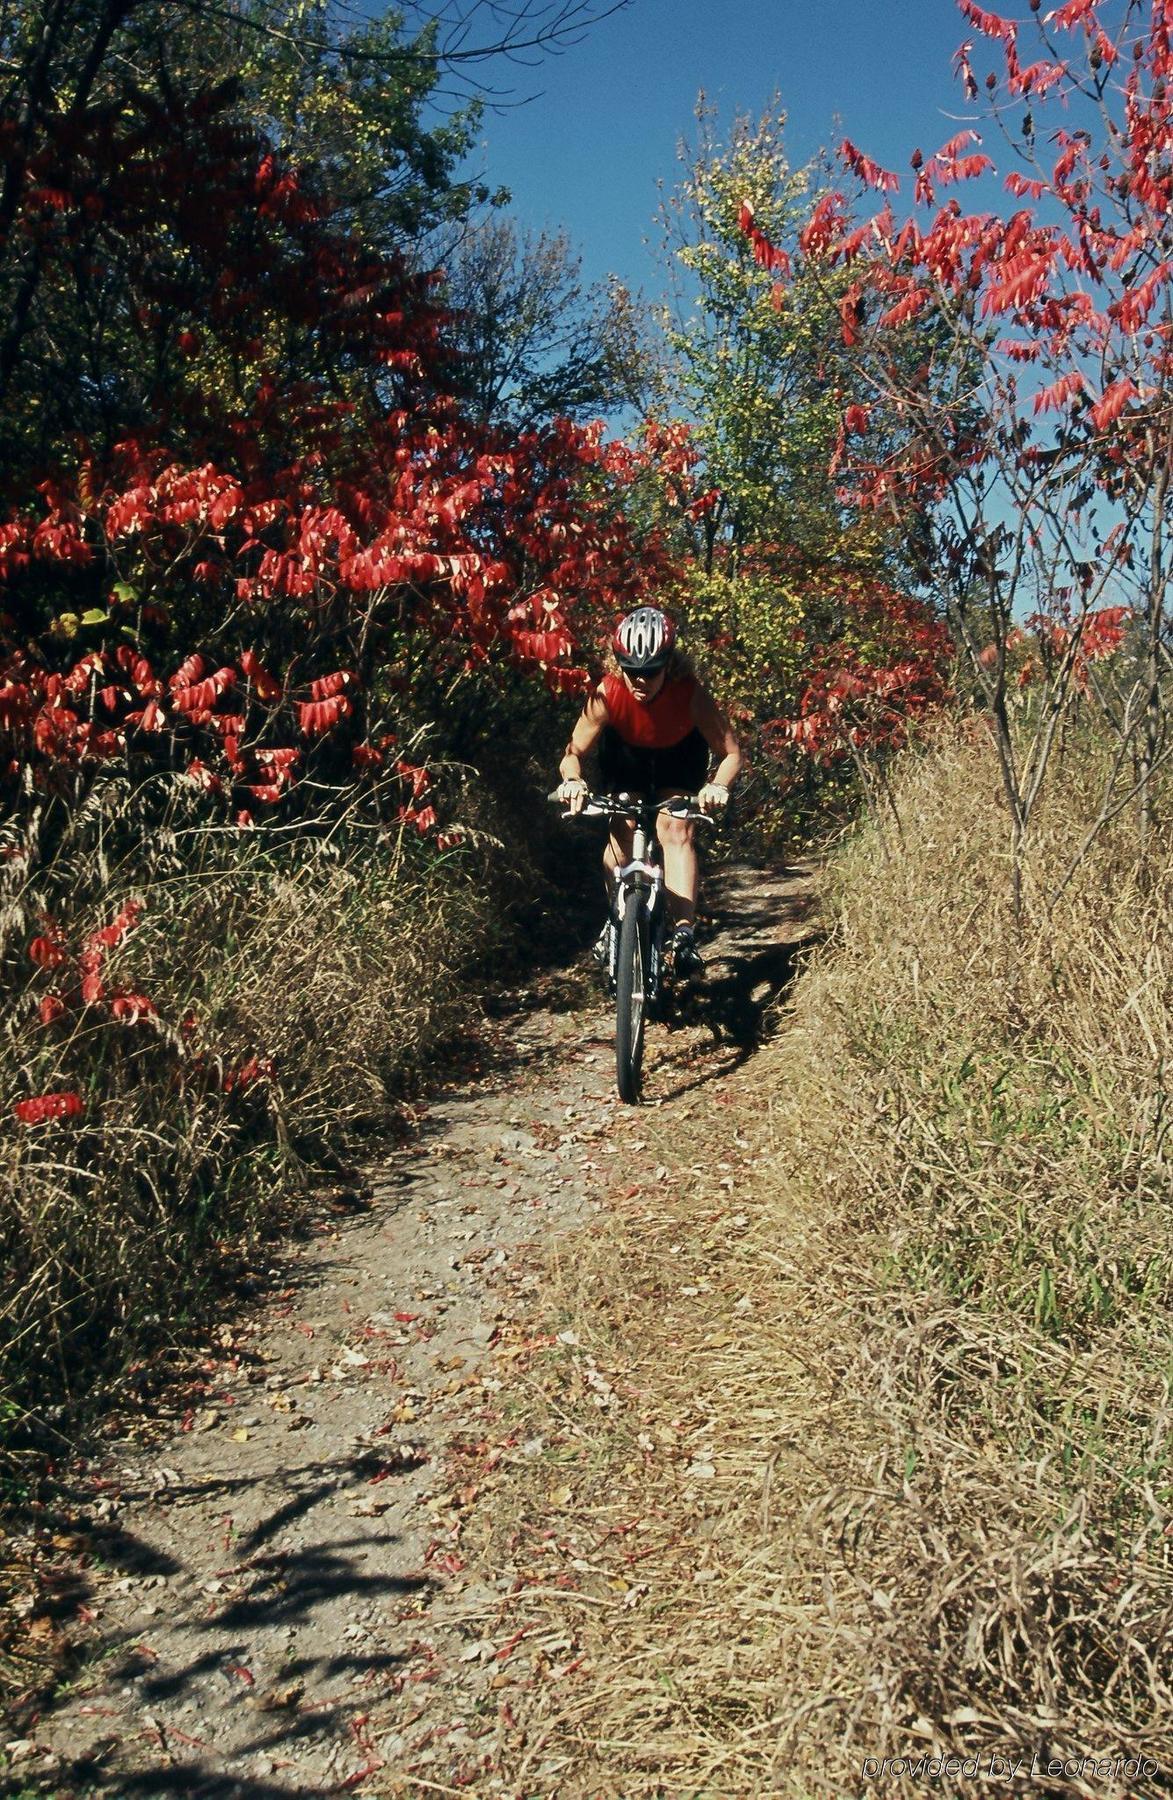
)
(1154, 711)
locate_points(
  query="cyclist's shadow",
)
(748, 972)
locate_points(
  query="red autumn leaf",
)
(48, 951)
(1060, 393)
(266, 687)
(904, 309)
(123, 922)
(191, 669)
(1112, 402)
(40, 1107)
(327, 686)
(1073, 13)
(987, 22)
(132, 1007)
(315, 717)
(849, 313)
(1021, 186)
(867, 170)
(93, 988)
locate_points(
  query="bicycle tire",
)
(631, 997)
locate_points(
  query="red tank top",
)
(654, 724)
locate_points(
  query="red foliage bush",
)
(219, 589)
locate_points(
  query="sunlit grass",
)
(921, 1348)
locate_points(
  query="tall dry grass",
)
(885, 1468)
(299, 978)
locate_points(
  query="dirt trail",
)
(275, 1595)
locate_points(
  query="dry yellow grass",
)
(330, 954)
(881, 1468)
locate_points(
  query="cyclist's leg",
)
(681, 874)
(616, 852)
(623, 769)
(680, 770)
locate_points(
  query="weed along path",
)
(292, 1590)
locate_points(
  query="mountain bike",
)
(635, 942)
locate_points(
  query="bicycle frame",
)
(638, 985)
(644, 874)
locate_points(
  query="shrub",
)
(209, 1013)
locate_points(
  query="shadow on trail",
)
(265, 1585)
(748, 975)
(196, 1781)
(749, 971)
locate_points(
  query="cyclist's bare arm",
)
(587, 731)
(718, 733)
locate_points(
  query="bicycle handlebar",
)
(681, 806)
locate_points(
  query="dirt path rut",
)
(274, 1593)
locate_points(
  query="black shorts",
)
(634, 769)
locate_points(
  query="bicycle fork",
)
(647, 878)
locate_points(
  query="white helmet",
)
(643, 641)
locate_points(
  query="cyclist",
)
(655, 725)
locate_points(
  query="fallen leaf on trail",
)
(240, 1437)
(559, 1496)
(281, 1699)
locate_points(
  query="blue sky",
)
(603, 126)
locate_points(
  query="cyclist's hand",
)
(574, 794)
(713, 797)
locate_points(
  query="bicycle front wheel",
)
(631, 975)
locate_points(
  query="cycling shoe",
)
(686, 958)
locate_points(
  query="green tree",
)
(534, 341)
(760, 364)
(346, 102)
(759, 379)
(789, 590)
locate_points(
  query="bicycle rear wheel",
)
(631, 976)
